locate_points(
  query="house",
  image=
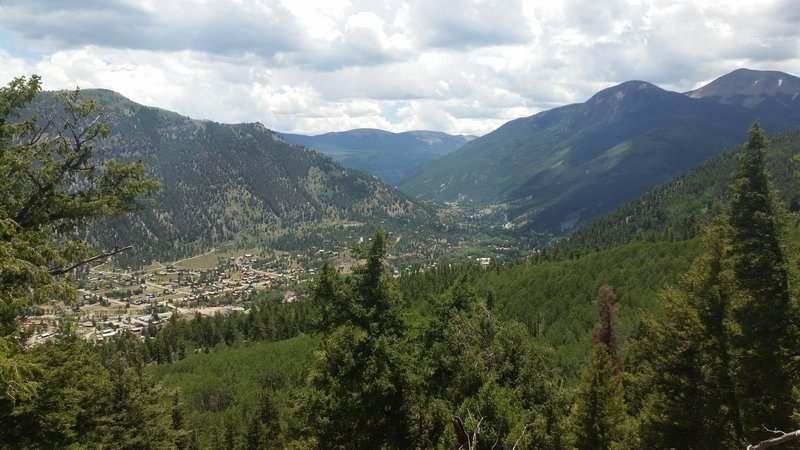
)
(105, 334)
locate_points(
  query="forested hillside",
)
(557, 170)
(681, 208)
(221, 183)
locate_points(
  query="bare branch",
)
(781, 439)
(524, 429)
(64, 270)
(463, 437)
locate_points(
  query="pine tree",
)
(53, 184)
(762, 310)
(231, 436)
(691, 403)
(599, 416)
(720, 365)
(357, 386)
(254, 436)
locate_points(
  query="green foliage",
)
(599, 417)
(84, 401)
(16, 373)
(264, 321)
(764, 338)
(472, 364)
(554, 299)
(234, 388)
(680, 209)
(717, 369)
(357, 387)
(683, 361)
(55, 182)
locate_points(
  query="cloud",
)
(215, 27)
(461, 66)
(469, 24)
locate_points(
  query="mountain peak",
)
(749, 88)
(618, 92)
(630, 97)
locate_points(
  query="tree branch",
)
(782, 439)
(520, 436)
(64, 270)
(463, 437)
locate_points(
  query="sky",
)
(458, 66)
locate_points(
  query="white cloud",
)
(457, 66)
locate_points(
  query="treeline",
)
(263, 321)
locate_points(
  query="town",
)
(111, 300)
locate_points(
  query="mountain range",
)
(389, 156)
(556, 170)
(549, 173)
(242, 182)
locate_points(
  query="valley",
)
(598, 252)
(400, 225)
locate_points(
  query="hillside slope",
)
(680, 208)
(558, 169)
(232, 182)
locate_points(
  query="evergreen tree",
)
(720, 359)
(357, 386)
(85, 402)
(472, 364)
(690, 401)
(53, 184)
(762, 311)
(599, 417)
(254, 436)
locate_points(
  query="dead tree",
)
(465, 441)
(782, 438)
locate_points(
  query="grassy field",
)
(209, 259)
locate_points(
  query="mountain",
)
(751, 88)
(680, 208)
(773, 96)
(224, 183)
(389, 156)
(558, 169)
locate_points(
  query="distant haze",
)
(392, 157)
